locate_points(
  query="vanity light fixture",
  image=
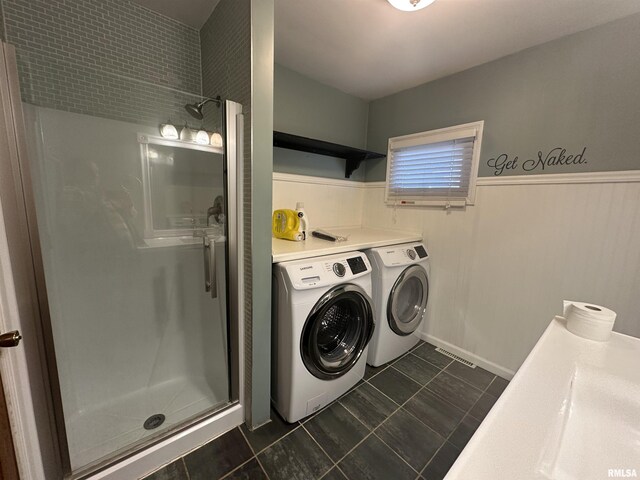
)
(187, 134)
(202, 137)
(167, 130)
(216, 139)
(410, 5)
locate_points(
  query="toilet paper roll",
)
(589, 320)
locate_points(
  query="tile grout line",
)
(333, 464)
(341, 471)
(431, 363)
(262, 468)
(226, 475)
(483, 390)
(483, 393)
(377, 373)
(380, 391)
(248, 442)
(389, 447)
(446, 439)
(443, 444)
(407, 375)
(372, 432)
(455, 428)
(447, 400)
(255, 455)
(184, 464)
(391, 363)
(391, 415)
(278, 439)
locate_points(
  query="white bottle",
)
(304, 220)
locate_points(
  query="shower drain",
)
(154, 421)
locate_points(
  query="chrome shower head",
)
(195, 109)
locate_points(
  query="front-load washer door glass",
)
(408, 300)
(337, 331)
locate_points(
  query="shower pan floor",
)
(112, 427)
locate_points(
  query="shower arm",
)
(217, 100)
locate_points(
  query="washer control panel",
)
(421, 251)
(329, 270)
(357, 265)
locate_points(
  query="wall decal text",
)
(555, 157)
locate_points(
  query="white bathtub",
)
(572, 412)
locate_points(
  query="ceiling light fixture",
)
(410, 5)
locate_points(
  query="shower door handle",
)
(10, 339)
(210, 284)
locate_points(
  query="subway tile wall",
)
(108, 58)
(1, 24)
(226, 71)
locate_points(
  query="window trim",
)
(465, 130)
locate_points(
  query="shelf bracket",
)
(351, 165)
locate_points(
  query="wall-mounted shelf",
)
(353, 156)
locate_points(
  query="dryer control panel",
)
(323, 271)
(404, 254)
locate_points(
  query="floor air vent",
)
(456, 357)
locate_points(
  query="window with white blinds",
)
(438, 167)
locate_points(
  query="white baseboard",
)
(472, 357)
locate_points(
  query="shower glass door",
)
(140, 346)
(129, 222)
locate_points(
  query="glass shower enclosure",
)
(141, 338)
(135, 234)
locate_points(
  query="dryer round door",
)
(337, 331)
(408, 300)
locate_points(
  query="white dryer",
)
(322, 324)
(400, 293)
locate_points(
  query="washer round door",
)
(337, 331)
(408, 300)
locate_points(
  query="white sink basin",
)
(597, 428)
(572, 412)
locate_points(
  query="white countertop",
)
(358, 238)
(571, 412)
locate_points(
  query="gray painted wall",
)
(575, 92)
(111, 58)
(305, 107)
(303, 163)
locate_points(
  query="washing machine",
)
(400, 281)
(322, 325)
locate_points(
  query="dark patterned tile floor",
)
(409, 418)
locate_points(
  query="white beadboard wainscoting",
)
(501, 268)
(328, 202)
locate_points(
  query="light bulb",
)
(202, 137)
(168, 131)
(216, 139)
(187, 134)
(410, 5)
